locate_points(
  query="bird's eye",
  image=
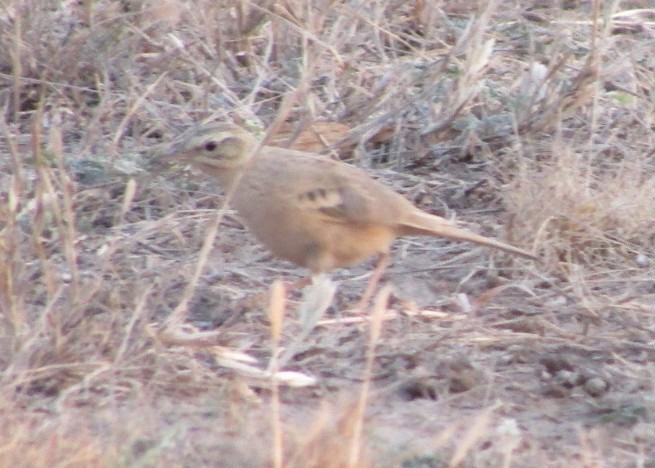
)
(210, 146)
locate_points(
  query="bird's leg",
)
(383, 262)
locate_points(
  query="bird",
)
(308, 209)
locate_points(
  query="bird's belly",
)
(349, 245)
(325, 247)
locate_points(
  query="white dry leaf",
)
(235, 361)
(128, 167)
(464, 303)
(232, 355)
(176, 41)
(480, 58)
(295, 379)
(533, 83)
(317, 298)
(186, 335)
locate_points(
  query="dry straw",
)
(124, 338)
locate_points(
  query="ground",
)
(142, 324)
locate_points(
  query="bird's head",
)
(214, 149)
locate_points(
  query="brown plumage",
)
(310, 210)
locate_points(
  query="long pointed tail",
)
(425, 224)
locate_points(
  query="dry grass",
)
(124, 334)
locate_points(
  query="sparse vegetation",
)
(130, 330)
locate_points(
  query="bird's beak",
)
(174, 155)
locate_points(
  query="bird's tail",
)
(425, 224)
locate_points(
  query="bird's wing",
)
(344, 194)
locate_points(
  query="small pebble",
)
(567, 378)
(642, 261)
(596, 386)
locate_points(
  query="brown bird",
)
(315, 212)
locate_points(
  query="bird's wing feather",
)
(341, 193)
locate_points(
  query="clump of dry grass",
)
(109, 273)
(592, 216)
